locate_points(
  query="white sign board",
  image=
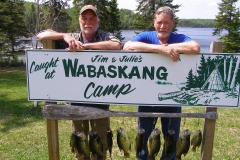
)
(119, 77)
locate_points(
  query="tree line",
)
(16, 22)
(127, 19)
(208, 73)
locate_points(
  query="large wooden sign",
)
(119, 77)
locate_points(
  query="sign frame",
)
(133, 61)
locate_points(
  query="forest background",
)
(21, 20)
(17, 23)
(22, 126)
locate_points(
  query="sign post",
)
(209, 125)
(52, 125)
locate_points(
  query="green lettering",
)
(55, 63)
(108, 90)
(101, 71)
(37, 68)
(33, 63)
(91, 71)
(161, 76)
(121, 90)
(97, 91)
(121, 72)
(81, 70)
(88, 86)
(44, 65)
(134, 72)
(147, 72)
(69, 67)
(111, 69)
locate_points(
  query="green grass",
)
(23, 127)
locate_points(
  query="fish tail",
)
(194, 149)
(178, 158)
(87, 158)
(110, 153)
(149, 157)
(137, 155)
(111, 157)
(99, 157)
(126, 155)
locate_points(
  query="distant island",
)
(196, 23)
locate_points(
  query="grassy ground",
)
(23, 128)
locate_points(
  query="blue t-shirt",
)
(150, 37)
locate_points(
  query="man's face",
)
(163, 25)
(89, 22)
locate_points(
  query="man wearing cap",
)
(89, 38)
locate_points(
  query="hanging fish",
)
(169, 143)
(123, 142)
(109, 140)
(95, 144)
(139, 141)
(153, 143)
(183, 144)
(196, 140)
(83, 145)
(73, 141)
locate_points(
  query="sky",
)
(204, 9)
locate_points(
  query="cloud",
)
(127, 4)
(212, 4)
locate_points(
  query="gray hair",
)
(165, 9)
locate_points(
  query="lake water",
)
(202, 35)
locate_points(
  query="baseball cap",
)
(89, 7)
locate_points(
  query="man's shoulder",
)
(103, 33)
(176, 37)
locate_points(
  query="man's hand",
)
(129, 46)
(170, 52)
(53, 35)
(73, 43)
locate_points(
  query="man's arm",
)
(103, 45)
(190, 47)
(171, 50)
(50, 34)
